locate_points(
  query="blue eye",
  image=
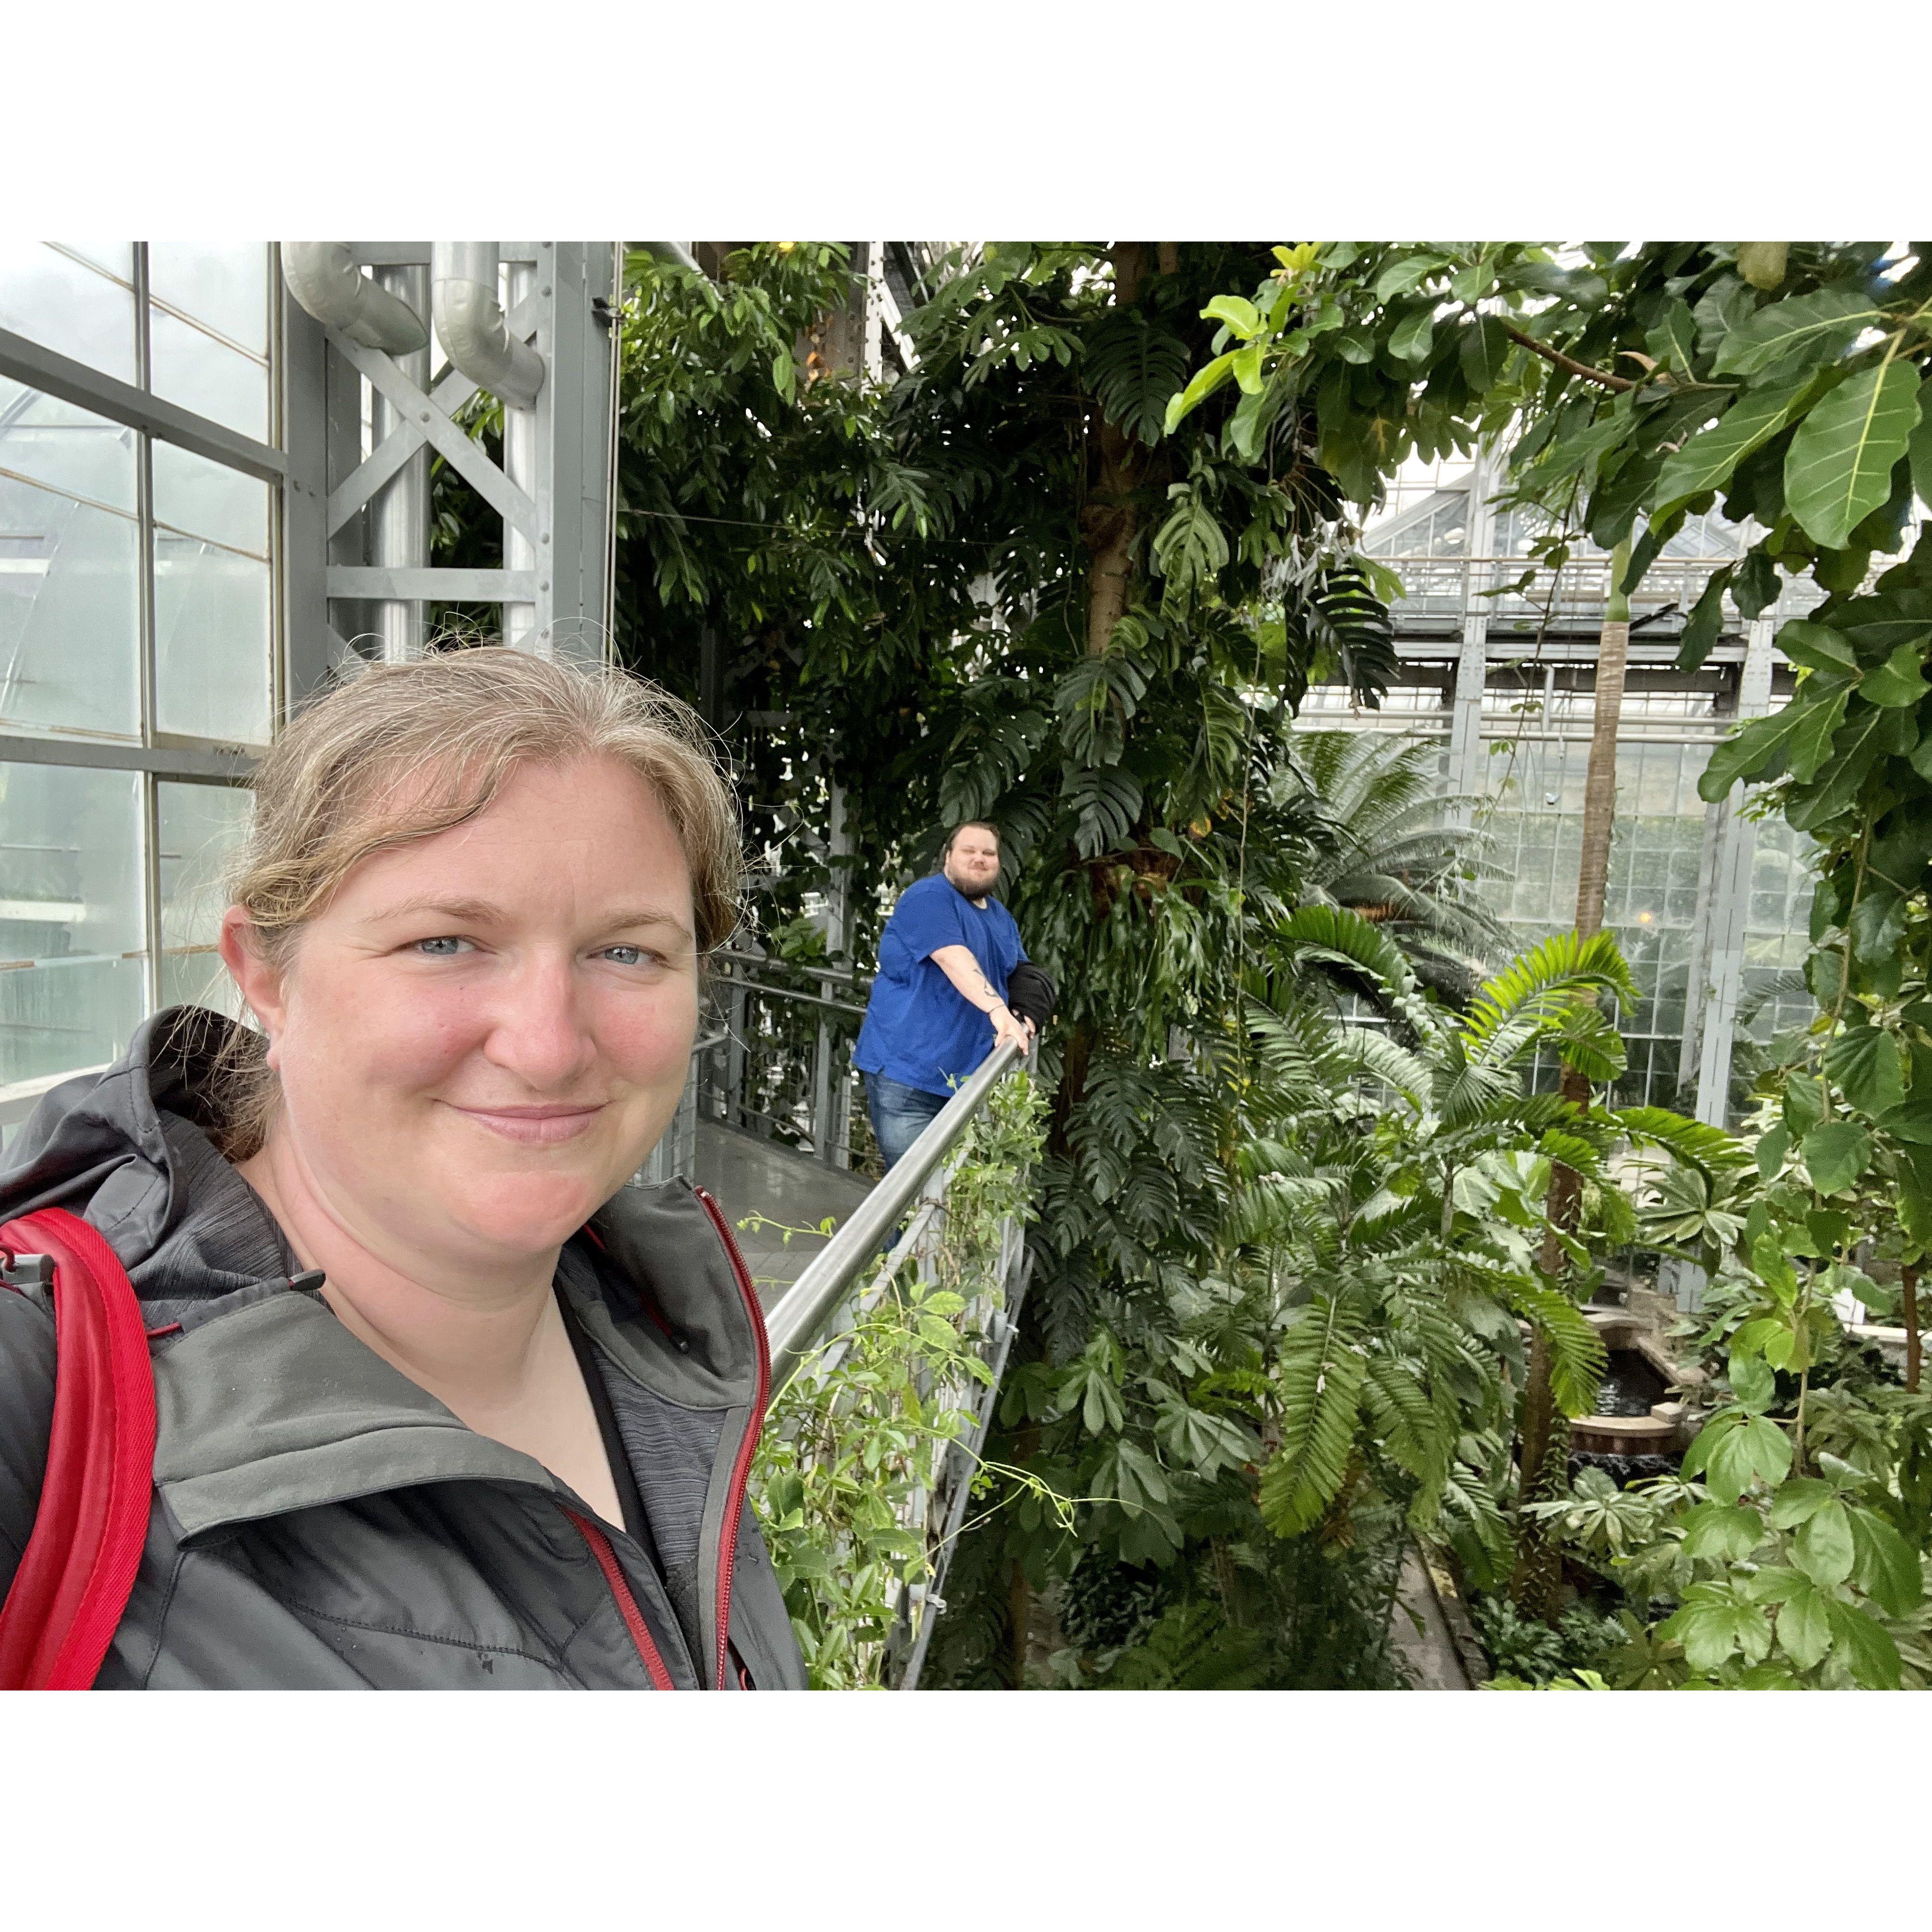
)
(625, 956)
(442, 948)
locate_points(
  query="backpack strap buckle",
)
(26, 1270)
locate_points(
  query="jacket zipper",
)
(741, 1473)
(627, 1604)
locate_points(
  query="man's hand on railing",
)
(1007, 1025)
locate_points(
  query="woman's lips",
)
(533, 1127)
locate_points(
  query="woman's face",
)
(487, 1029)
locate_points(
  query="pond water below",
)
(1630, 1387)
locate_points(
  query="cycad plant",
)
(1402, 1218)
(1393, 849)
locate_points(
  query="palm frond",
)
(1555, 968)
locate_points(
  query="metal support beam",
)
(1467, 759)
(399, 511)
(172, 760)
(311, 644)
(1723, 890)
(26, 362)
(1730, 902)
(554, 492)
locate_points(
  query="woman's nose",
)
(539, 1032)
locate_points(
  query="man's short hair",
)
(966, 825)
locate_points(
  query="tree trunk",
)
(1908, 1279)
(1600, 782)
(1544, 1433)
(1109, 519)
(1019, 1624)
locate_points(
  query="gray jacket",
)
(320, 1522)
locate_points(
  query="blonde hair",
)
(392, 753)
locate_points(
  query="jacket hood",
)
(129, 1149)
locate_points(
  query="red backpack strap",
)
(72, 1584)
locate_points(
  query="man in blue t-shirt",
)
(939, 1004)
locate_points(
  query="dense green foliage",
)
(1285, 1242)
(857, 1438)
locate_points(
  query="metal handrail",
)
(841, 973)
(807, 1307)
(789, 993)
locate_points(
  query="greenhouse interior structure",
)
(1447, 718)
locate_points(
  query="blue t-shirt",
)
(919, 1029)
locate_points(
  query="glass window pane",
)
(53, 442)
(71, 964)
(66, 306)
(70, 614)
(200, 827)
(203, 499)
(191, 368)
(223, 283)
(211, 641)
(116, 257)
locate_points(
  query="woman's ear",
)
(260, 984)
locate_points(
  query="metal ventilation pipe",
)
(471, 325)
(476, 336)
(323, 277)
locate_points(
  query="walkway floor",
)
(751, 1177)
(1431, 1653)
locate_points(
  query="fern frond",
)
(1709, 1149)
(1371, 1050)
(1410, 1424)
(1322, 1370)
(1577, 1353)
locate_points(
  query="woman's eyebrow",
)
(481, 912)
(467, 912)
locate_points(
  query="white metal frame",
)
(557, 551)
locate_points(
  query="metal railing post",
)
(734, 1060)
(821, 1095)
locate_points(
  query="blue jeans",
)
(899, 1113)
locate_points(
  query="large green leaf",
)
(1485, 352)
(1728, 1531)
(1887, 1566)
(1829, 319)
(1920, 447)
(1733, 1450)
(1713, 1623)
(1803, 1629)
(1867, 1644)
(1705, 620)
(1899, 681)
(1817, 647)
(1822, 1547)
(1838, 469)
(1836, 1154)
(1410, 339)
(1798, 737)
(1401, 275)
(1864, 1061)
(1706, 461)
